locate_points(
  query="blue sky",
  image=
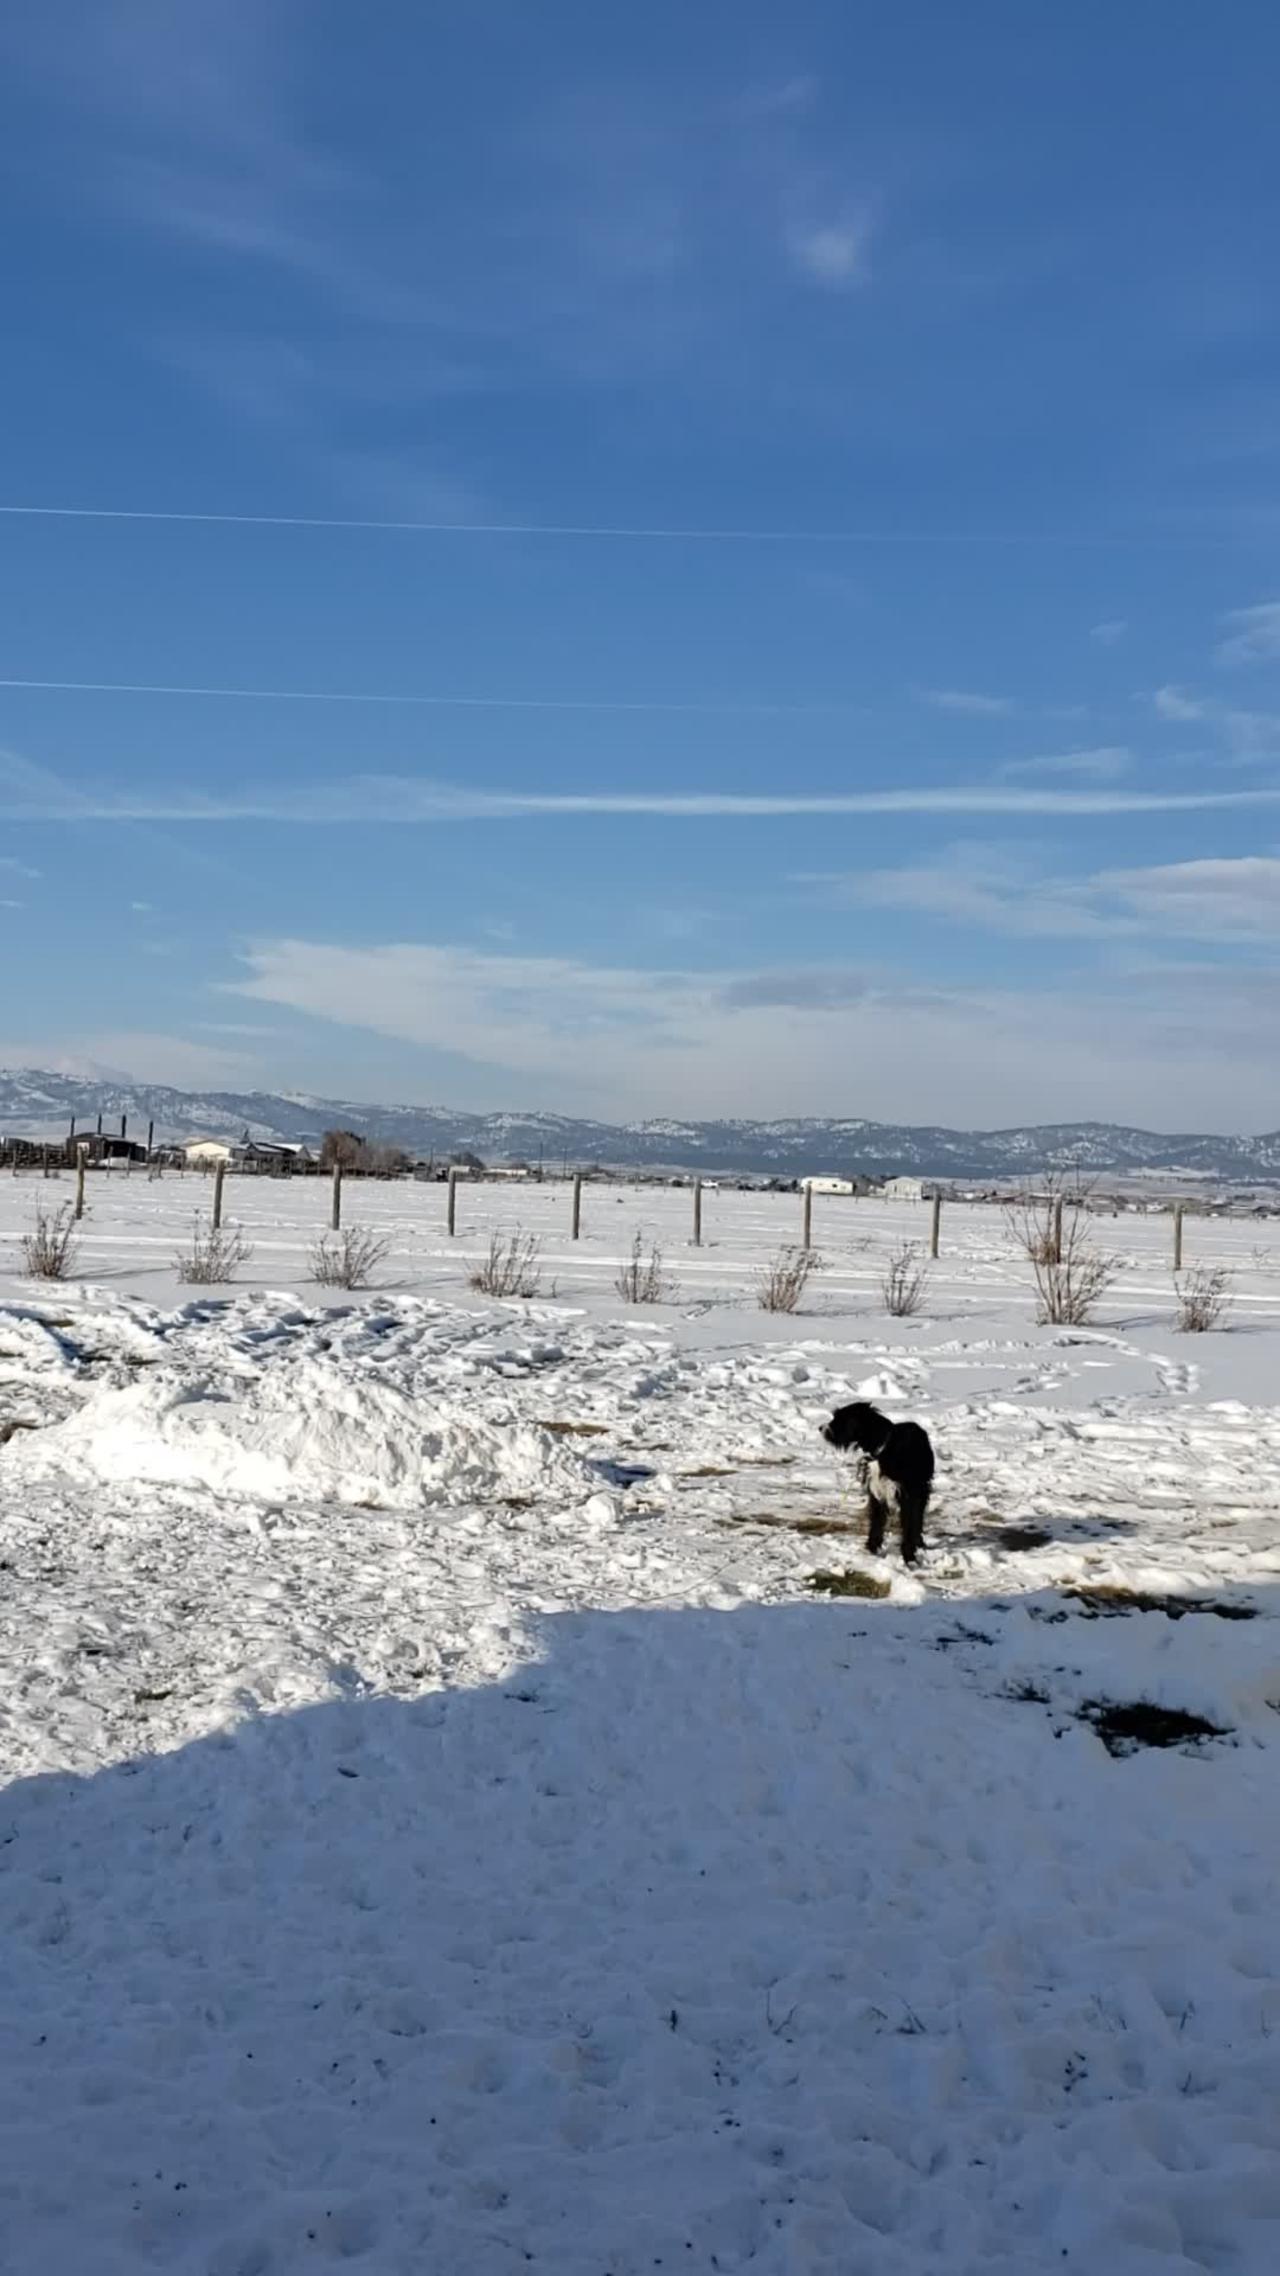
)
(710, 560)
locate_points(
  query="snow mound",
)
(309, 1434)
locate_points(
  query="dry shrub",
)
(215, 1253)
(49, 1250)
(905, 1277)
(640, 1280)
(347, 1259)
(1071, 1274)
(785, 1279)
(1203, 1296)
(511, 1267)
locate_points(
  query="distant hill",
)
(40, 1102)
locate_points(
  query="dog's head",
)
(860, 1425)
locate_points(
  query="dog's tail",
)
(913, 1502)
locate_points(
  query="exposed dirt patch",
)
(851, 1583)
(561, 1429)
(1126, 1727)
(1107, 1600)
(789, 1524)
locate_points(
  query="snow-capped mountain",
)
(42, 1101)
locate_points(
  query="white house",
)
(206, 1153)
(903, 1189)
(826, 1185)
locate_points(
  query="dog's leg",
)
(876, 1516)
(912, 1506)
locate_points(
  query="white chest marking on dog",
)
(883, 1490)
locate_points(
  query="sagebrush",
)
(1071, 1273)
(347, 1259)
(1203, 1296)
(213, 1255)
(49, 1249)
(511, 1267)
(785, 1279)
(641, 1279)
(905, 1278)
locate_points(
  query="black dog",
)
(899, 1471)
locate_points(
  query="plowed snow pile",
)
(308, 1433)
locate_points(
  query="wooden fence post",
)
(935, 1228)
(807, 1241)
(219, 1176)
(1177, 1236)
(81, 1152)
(335, 1214)
(1057, 1230)
(697, 1213)
(453, 1203)
(577, 1207)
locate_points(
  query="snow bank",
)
(308, 1433)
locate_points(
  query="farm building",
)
(206, 1153)
(827, 1185)
(274, 1157)
(903, 1189)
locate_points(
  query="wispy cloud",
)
(969, 705)
(1252, 634)
(835, 253)
(621, 1041)
(1105, 764)
(10, 866)
(29, 794)
(1246, 736)
(1175, 704)
(1222, 900)
(1111, 630)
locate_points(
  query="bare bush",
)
(1203, 1296)
(48, 1251)
(511, 1267)
(1071, 1274)
(785, 1279)
(641, 1280)
(905, 1277)
(347, 1259)
(214, 1255)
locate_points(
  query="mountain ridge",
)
(42, 1101)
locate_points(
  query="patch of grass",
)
(1125, 1726)
(851, 1583)
(562, 1429)
(1028, 1693)
(1109, 1600)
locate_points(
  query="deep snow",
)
(445, 1833)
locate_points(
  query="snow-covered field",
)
(445, 1832)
